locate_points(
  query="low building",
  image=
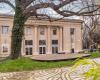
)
(43, 36)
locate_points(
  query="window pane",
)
(5, 49)
(28, 30)
(55, 31)
(42, 42)
(26, 51)
(28, 42)
(5, 29)
(44, 50)
(72, 31)
(54, 41)
(30, 51)
(56, 49)
(42, 31)
(72, 50)
(53, 50)
(40, 48)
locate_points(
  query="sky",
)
(5, 9)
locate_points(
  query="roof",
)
(44, 19)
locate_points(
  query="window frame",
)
(42, 42)
(54, 42)
(5, 29)
(72, 31)
(5, 46)
(28, 30)
(42, 31)
(28, 42)
(54, 31)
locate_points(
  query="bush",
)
(93, 72)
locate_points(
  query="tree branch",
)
(34, 8)
(46, 5)
(26, 3)
(8, 2)
(67, 13)
(63, 3)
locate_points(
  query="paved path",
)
(57, 57)
(49, 74)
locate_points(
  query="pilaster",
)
(49, 40)
(35, 41)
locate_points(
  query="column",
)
(66, 39)
(78, 42)
(60, 39)
(35, 41)
(49, 41)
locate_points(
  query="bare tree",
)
(27, 8)
(91, 24)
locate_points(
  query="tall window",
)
(42, 42)
(28, 47)
(4, 48)
(42, 31)
(42, 46)
(28, 42)
(28, 30)
(55, 31)
(5, 29)
(54, 42)
(72, 31)
(54, 46)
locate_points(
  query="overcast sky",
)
(5, 9)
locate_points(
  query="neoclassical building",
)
(43, 36)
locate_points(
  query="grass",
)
(26, 64)
(94, 54)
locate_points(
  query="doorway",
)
(29, 50)
(42, 50)
(28, 47)
(42, 46)
(54, 46)
(54, 49)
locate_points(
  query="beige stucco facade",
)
(43, 36)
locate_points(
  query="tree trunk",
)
(17, 33)
(90, 39)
